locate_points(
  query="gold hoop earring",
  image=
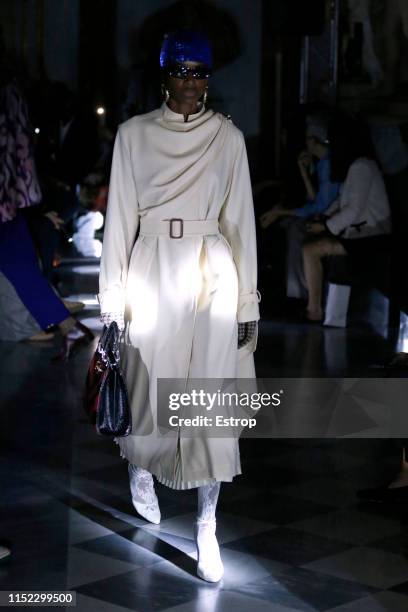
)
(165, 92)
(205, 96)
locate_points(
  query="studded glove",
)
(108, 317)
(246, 332)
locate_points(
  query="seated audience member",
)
(359, 220)
(28, 305)
(66, 152)
(318, 200)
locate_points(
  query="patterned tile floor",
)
(292, 534)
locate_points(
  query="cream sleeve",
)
(121, 224)
(237, 224)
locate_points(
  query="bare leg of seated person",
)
(313, 253)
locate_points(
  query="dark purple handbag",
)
(106, 400)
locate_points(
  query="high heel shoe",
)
(317, 319)
(144, 497)
(85, 330)
(78, 336)
(73, 306)
(209, 564)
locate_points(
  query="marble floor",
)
(293, 535)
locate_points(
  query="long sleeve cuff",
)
(248, 309)
(112, 300)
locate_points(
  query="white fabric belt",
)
(177, 228)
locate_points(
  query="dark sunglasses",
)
(180, 71)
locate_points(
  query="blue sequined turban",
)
(185, 46)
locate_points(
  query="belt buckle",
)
(180, 234)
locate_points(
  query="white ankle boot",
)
(209, 564)
(144, 497)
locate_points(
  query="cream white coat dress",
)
(182, 297)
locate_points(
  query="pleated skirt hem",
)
(178, 483)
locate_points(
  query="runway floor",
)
(292, 533)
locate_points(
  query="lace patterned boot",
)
(209, 564)
(144, 497)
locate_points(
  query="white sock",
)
(144, 497)
(209, 564)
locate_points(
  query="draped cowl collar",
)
(175, 121)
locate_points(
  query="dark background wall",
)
(107, 52)
(90, 46)
(44, 30)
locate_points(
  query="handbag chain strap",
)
(104, 355)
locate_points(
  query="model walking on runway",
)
(184, 291)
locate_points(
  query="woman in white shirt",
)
(357, 222)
